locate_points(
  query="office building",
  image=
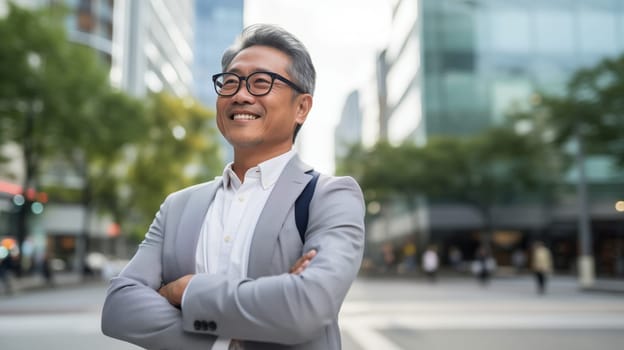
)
(153, 46)
(457, 67)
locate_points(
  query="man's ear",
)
(304, 104)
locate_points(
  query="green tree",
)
(490, 168)
(592, 108)
(47, 88)
(115, 124)
(57, 103)
(181, 148)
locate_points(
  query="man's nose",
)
(243, 95)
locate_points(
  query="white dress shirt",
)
(227, 231)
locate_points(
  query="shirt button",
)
(227, 238)
(241, 198)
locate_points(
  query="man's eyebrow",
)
(257, 69)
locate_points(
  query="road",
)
(461, 314)
(388, 314)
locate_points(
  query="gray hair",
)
(301, 70)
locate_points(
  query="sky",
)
(343, 38)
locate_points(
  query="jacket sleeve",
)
(134, 311)
(287, 308)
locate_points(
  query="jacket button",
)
(204, 325)
(197, 325)
(212, 326)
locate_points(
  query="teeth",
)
(244, 117)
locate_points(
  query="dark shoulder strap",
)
(302, 205)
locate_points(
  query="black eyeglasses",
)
(257, 83)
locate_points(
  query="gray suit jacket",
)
(271, 309)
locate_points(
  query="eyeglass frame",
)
(246, 79)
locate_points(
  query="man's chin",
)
(245, 142)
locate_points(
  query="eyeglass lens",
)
(258, 83)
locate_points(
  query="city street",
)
(388, 314)
(459, 313)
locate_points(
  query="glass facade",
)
(90, 22)
(218, 22)
(153, 46)
(482, 56)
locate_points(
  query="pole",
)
(29, 170)
(586, 258)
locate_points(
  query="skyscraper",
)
(218, 22)
(153, 46)
(457, 67)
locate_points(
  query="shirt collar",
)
(269, 170)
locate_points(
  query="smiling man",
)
(239, 262)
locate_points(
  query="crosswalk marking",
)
(366, 337)
(487, 321)
(365, 321)
(76, 323)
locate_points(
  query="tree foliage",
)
(59, 83)
(181, 148)
(494, 167)
(489, 167)
(57, 103)
(592, 108)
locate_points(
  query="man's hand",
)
(173, 291)
(303, 262)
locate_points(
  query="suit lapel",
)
(287, 188)
(190, 225)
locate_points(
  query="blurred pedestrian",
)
(518, 259)
(389, 257)
(541, 261)
(240, 261)
(409, 256)
(46, 269)
(484, 265)
(455, 258)
(5, 270)
(430, 263)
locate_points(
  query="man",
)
(430, 263)
(541, 265)
(222, 265)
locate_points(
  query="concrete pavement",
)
(379, 313)
(396, 314)
(33, 282)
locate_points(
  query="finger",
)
(300, 262)
(296, 266)
(162, 291)
(299, 269)
(305, 259)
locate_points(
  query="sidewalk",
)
(68, 279)
(604, 285)
(607, 285)
(37, 282)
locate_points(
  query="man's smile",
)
(244, 116)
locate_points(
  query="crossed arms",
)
(173, 291)
(289, 308)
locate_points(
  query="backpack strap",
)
(302, 205)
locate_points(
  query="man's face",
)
(261, 123)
